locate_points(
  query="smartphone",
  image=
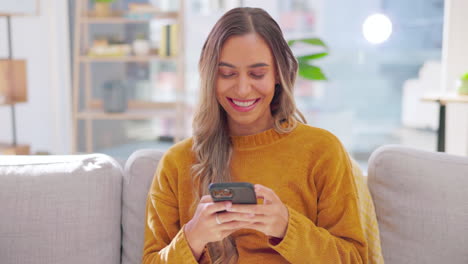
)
(236, 192)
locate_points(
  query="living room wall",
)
(43, 121)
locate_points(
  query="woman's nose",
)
(243, 87)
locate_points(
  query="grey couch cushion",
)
(139, 173)
(60, 209)
(421, 201)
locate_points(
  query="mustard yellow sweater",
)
(307, 168)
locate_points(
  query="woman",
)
(248, 129)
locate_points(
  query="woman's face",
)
(245, 83)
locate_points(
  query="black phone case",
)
(237, 192)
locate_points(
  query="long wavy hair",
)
(211, 142)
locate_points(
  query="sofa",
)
(90, 209)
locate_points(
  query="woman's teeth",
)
(244, 103)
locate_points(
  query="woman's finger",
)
(232, 216)
(206, 199)
(260, 209)
(267, 194)
(233, 225)
(256, 226)
(212, 208)
(261, 219)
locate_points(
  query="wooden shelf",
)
(130, 114)
(137, 110)
(89, 59)
(124, 20)
(137, 105)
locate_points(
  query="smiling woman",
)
(245, 84)
(247, 129)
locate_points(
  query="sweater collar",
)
(264, 138)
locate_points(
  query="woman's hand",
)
(271, 217)
(207, 225)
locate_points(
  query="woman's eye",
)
(257, 76)
(227, 75)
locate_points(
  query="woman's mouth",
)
(243, 105)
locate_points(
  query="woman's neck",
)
(236, 129)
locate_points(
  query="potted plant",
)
(463, 87)
(102, 8)
(306, 69)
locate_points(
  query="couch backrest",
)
(421, 201)
(139, 173)
(60, 209)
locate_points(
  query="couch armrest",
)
(60, 209)
(420, 199)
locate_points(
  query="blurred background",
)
(117, 76)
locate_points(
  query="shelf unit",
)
(136, 110)
(89, 59)
(117, 19)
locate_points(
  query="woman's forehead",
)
(245, 50)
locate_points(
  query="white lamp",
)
(377, 28)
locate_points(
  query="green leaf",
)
(311, 72)
(464, 77)
(312, 56)
(311, 41)
(306, 70)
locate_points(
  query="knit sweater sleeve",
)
(164, 238)
(336, 236)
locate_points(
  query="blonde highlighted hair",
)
(211, 141)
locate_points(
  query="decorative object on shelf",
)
(142, 90)
(141, 45)
(102, 8)
(140, 11)
(306, 69)
(463, 85)
(109, 47)
(114, 96)
(167, 5)
(168, 45)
